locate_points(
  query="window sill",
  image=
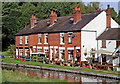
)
(69, 43)
(21, 44)
(39, 43)
(45, 43)
(103, 47)
(61, 43)
(26, 44)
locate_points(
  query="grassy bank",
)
(10, 76)
(11, 60)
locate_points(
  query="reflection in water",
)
(63, 76)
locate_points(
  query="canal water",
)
(61, 75)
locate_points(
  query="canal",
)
(70, 77)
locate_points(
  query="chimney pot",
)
(53, 17)
(51, 12)
(78, 8)
(108, 6)
(75, 8)
(76, 14)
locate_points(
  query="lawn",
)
(10, 76)
(12, 60)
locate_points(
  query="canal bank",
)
(63, 70)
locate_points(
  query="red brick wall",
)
(53, 40)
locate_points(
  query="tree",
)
(118, 17)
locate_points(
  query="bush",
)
(11, 50)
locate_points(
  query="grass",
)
(10, 76)
(11, 60)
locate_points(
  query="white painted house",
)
(93, 30)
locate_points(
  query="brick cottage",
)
(67, 37)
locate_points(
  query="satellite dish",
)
(72, 35)
(48, 22)
(55, 20)
(71, 19)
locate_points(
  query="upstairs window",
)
(103, 43)
(61, 38)
(26, 39)
(69, 37)
(46, 38)
(39, 38)
(21, 39)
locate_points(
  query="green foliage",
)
(11, 49)
(16, 14)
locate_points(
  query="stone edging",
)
(63, 70)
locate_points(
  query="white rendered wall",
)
(88, 41)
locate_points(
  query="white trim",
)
(39, 43)
(45, 43)
(51, 46)
(70, 48)
(61, 43)
(60, 48)
(45, 47)
(77, 47)
(55, 46)
(34, 46)
(39, 47)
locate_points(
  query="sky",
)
(103, 4)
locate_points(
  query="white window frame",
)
(26, 51)
(20, 52)
(39, 48)
(61, 42)
(21, 40)
(39, 41)
(16, 51)
(69, 37)
(26, 39)
(46, 35)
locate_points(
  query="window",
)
(56, 53)
(21, 52)
(61, 38)
(21, 39)
(26, 50)
(34, 49)
(39, 50)
(103, 43)
(62, 54)
(69, 37)
(46, 38)
(26, 39)
(39, 38)
(46, 51)
(70, 54)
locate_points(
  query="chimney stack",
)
(33, 21)
(108, 17)
(76, 14)
(53, 17)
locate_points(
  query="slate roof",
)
(110, 34)
(63, 25)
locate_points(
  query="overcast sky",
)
(103, 3)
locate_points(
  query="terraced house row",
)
(67, 37)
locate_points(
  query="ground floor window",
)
(62, 54)
(21, 52)
(70, 55)
(26, 50)
(46, 51)
(34, 49)
(56, 53)
(39, 50)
